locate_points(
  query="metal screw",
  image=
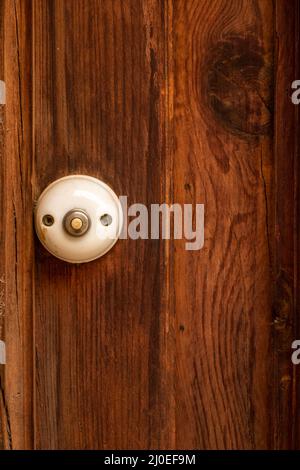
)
(48, 220)
(106, 219)
(76, 222)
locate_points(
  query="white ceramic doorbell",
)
(78, 218)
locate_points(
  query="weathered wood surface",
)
(3, 416)
(17, 256)
(101, 329)
(286, 261)
(153, 346)
(223, 157)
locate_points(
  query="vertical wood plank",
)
(18, 259)
(296, 375)
(223, 158)
(4, 425)
(286, 260)
(102, 376)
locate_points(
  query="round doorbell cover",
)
(78, 218)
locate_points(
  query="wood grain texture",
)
(153, 346)
(4, 434)
(286, 239)
(222, 131)
(296, 232)
(102, 376)
(18, 259)
(16, 229)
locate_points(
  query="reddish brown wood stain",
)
(153, 346)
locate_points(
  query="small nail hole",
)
(48, 220)
(106, 219)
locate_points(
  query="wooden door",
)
(152, 346)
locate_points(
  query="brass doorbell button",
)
(76, 222)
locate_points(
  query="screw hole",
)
(106, 219)
(48, 220)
